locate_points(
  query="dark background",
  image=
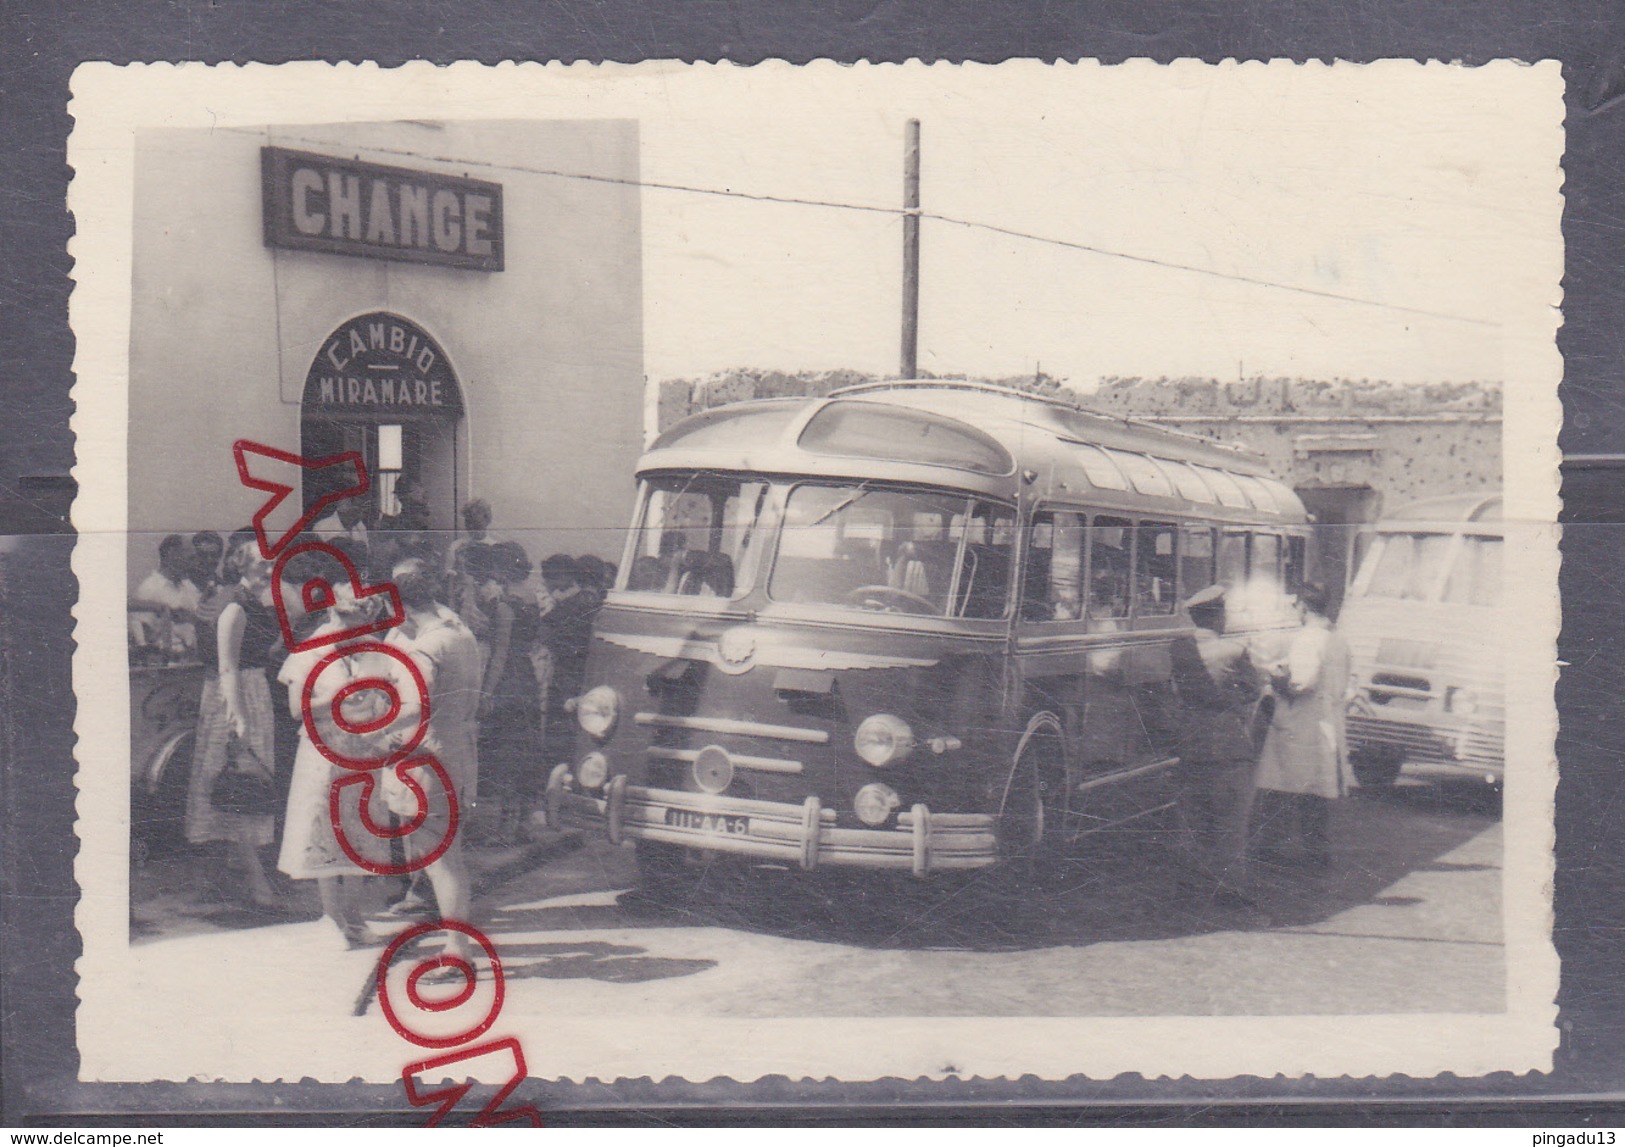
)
(41, 42)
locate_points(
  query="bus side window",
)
(1109, 568)
(1295, 575)
(1154, 578)
(984, 578)
(1053, 589)
(1066, 569)
(1266, 561)
(1232, 558)
(1040, 559)
(1195, 560)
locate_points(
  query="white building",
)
(459, 302)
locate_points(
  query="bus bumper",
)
(804, 835)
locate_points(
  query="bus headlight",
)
(593, 771)
(883, 739)
(874, 804)
(596, 710)
(1461, 701)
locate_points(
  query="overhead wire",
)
(1152, 261)
(878, 209)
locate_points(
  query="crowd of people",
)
(500, 657)
(1262, 751)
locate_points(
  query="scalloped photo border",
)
(132, 1027)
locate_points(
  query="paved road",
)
(1408, 920)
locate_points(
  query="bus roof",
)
(1449, 513)
(982, 438)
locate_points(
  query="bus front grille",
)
(727, 725)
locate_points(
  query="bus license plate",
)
(708, 822)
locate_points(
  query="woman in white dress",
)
(310, 849)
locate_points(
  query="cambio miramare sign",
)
(347, 207)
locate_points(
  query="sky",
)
(1428, 188)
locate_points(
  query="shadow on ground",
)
(191, 890)
(593, 960)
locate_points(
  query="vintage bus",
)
(1423, 621)
(921, 626)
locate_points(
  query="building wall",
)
(548, 351)
(1419, 457)
(1403, 442)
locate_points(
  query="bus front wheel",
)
(662, 870)
(1031, 818)
(671, 876)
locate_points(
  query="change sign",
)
(346, 207)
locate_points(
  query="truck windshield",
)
(1475, 575)
(884, 549)
(1407, 566)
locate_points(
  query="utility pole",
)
(911, 250)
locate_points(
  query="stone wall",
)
(1401, 443)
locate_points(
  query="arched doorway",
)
(383, 386)
(1339, 512)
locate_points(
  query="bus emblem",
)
(736, 649)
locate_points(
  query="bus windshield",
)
(694, 534)
(855, 545)
(886, 549)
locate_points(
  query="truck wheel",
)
(1376, 768)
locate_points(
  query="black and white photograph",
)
(820, 571)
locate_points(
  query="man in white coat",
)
(1304, 765)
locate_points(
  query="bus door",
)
(1148, 670)
(1051, 652)
(1123, 739)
